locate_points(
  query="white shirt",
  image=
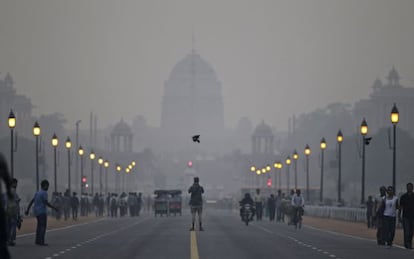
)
(297, 200)
(391, 206)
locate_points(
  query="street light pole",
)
(92, 157)
(339, 139)
(36, 133)
(100, 162)
(55, 143)
(295, 159)
(81, 152)
(106, 164)
(364, 132)
(394, 120)
(12, 125)
(77, 148)
(307, 154)
(68, 145)
(288, 162)
(323, 147)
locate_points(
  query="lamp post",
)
(12, 125)
(288, 162)
(81, 152)
(252, 170)
(280, 175)
(100, 162)
(339, 139)
(77, 148)
(364, 132)
(323, 147)
(36, 133)
(68, 146)
(276, 166)
(118, 169)
(92, 157)
(106, 165)
(295, 159)
(55, 143)
(307, 154)
(395, 116)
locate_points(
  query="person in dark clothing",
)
(379, 211)
(5, 177)
(247, 200)
(407, 209)
(196, 202)
(370, 208)
(75, 205)
(271, 205)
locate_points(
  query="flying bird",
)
(196, 138)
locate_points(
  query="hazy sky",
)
(274, 58)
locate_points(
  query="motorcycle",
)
(247, 213)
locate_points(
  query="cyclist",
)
(297, 203)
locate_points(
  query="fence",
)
(342, 213)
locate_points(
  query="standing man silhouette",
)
(196, 202)
(5, 177)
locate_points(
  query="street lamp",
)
(12, 125)
(118, 169)
(106, 165)
(55, 143)
(395, 117)
(295, 159)
(323, 147)
(133, 163)
(92, 157)
(307, 154)
(100, 162)
(364, 132)
(36, 133)
(288, 162)
(68, 146)
(280, 166)
(81, 152)
(339, 139)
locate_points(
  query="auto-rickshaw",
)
(175, 202)
(161, 202)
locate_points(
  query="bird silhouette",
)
(196, 138)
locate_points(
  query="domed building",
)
(192, 102)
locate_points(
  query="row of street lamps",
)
(68, 146)
(323, 145)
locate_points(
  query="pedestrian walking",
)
(271, 205)
(74, 203)
(14, 218)
(279, 206)
(196, 202)
(4, 176)
(370, 210)
(40, 211)
(407, 210)
(258, 199)
(390, 214)
(379, 215)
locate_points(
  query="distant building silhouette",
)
(21, 105)
(378, 107)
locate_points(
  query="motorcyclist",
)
(247, 200)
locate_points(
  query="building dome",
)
(192, 98)
(263, 130)
(122, 129)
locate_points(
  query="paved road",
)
(225, 237)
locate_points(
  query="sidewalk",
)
(349, 228)
(29, 223)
